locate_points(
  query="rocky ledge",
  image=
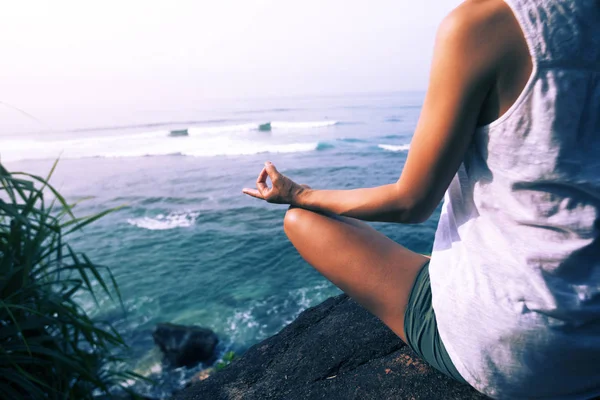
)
(336, 350)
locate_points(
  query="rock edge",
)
(335, 350)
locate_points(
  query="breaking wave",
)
(302, 125)
(201, 141)
(262, 126)
(164, 222)
(321, 146)
(391, 147)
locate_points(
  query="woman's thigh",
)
(370, 267)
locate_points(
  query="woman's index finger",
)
(261, 181)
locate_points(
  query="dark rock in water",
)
(336, 350)
(266, 127)
(185, 345)
(179, 133)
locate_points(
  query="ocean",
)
(187, 246)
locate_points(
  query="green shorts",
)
(421, 330)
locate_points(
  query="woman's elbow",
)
(415, 213)
(409, 207)
(418, 218)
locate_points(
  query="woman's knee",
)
(297, 219)
(293, 219)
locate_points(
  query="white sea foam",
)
(156, 368)
(302, 125)
(261, 318)
(165, 222)
(208, 130)
(157, 146)
(391, 147)
(201, 142)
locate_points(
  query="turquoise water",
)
(188, 247)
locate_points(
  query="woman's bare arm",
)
(467, 52)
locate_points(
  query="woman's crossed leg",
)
(372, 269)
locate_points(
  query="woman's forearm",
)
(383, 203)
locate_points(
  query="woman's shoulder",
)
(479, 14)
(485, 30)
(490, 22)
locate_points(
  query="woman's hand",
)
(283, 191)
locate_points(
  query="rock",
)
(266, 127)
(336, 350)
(179, 133)
(185, 345)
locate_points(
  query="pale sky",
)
(65, 55)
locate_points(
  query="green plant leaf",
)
(49, 346)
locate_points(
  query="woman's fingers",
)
(261, 182)
(262, 190)
(271, 171)
(262, 177)
(253, 193)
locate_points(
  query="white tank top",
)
(515, 268)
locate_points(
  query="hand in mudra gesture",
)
(283, 189)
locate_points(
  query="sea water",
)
(187, 246)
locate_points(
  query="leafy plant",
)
(50, 348)
(226, 360)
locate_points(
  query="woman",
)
(510, 132)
